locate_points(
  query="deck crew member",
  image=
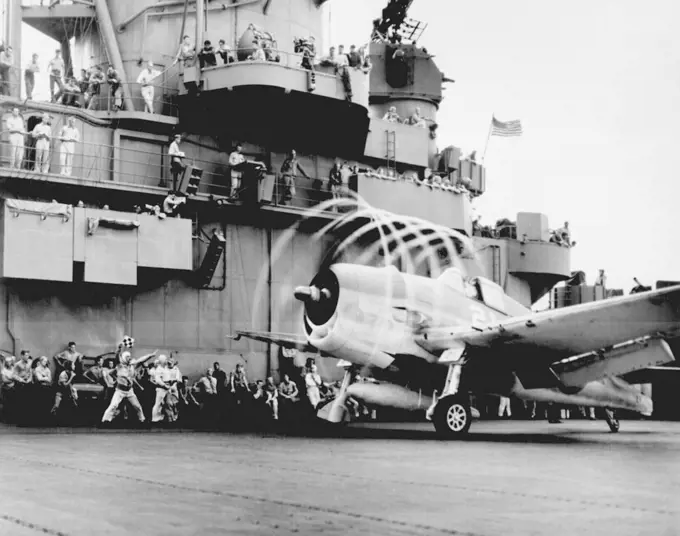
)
(69, 136)
(272, 397)
(239, 384)
(125, 375)
(160, 378)
(65, 389)
(115, 90)
(56, 70)
(172, 398)
(288, 390)
(236, 158)
(207, 388)
(17, 131)
(23, 373)
(42, 133)
(70, 354)
(176, 161)
(96, 374)
(7, 388)
(313, 383)
(289, 170)
(601, 280)
(144, 79)
(29, 76)
(42, 375)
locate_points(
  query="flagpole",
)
(488, 137)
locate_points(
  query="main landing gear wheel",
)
(612, 421)
(452, 416)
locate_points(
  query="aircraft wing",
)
(286, 340)
(651, 374)
(570, 331)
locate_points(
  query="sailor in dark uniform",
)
(289, 171)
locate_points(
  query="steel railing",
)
(106, 164)
(291, 60)
(52, 3)
(164, 98)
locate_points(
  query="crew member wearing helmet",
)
(125, 375)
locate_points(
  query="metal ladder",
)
(391, 150)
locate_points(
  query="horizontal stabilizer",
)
(617, 361)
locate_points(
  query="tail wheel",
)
(612, 421)
(452, 416)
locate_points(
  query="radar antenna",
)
(395, 26)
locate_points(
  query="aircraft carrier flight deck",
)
(508, 477)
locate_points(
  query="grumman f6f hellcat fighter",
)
(432, 342)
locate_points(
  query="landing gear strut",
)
(451, 414)
(612, 420)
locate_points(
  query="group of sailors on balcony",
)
(562, 236)
(415, 119)
(505, 228)
(83, 91)
(69, 135)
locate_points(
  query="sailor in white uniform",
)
(144, 79)
(69, 136)
(43, 134)
(161, 377)
(17, 131)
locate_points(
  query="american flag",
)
(506, 128)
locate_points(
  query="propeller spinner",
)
(311, 293)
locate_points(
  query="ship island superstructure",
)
(78, 262)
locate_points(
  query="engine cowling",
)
(350, 313)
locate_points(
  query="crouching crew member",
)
(65, 389)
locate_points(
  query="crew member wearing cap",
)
(43, 134)
(176, 161)
(236, 158)
(125, 375)
(144, 80)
